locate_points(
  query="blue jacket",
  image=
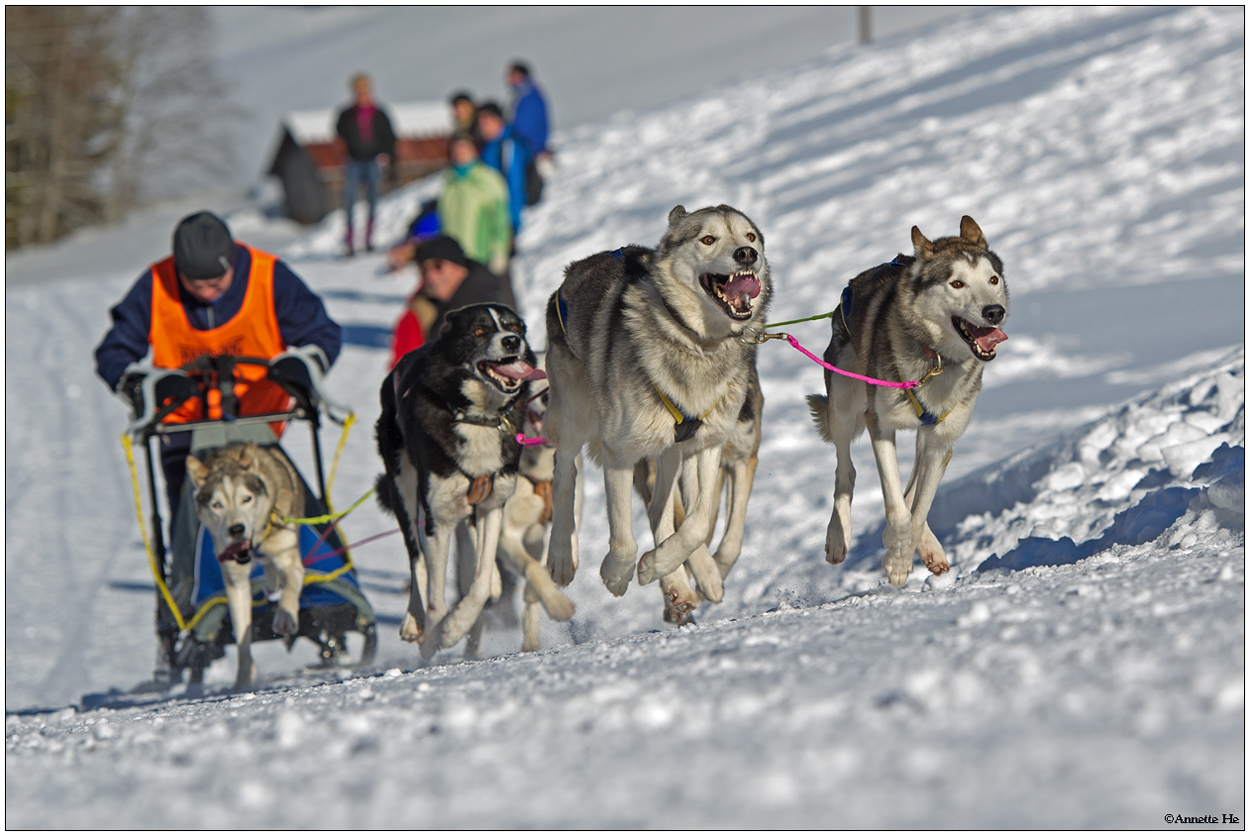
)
(302, 318)
(529, 116)
(510, 158)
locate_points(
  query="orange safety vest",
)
(252, 332)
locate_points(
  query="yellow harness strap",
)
(925, 416)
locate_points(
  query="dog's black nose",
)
(511, 343)
(993, 313)
(745, 255)
(237, 530)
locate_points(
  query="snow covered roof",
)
(409, 119)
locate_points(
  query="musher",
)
(212, 296)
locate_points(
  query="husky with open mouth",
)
(932, 317)
(451, 411)
(649, 356)
(244, 495)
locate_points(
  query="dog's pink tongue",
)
(234, 549)
(987, 338)
(519, 370)
(742, 284)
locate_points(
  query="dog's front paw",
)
(931, 553)
(562, 563)
(616, 573)
(897, 567)
(663, 560)
(679, 606)
(557, 605)
(410, 630)
(837, 540)
(707, 574)
(285, 623)
(245, 678)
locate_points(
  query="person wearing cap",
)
(502, 151)
(366, 130)
(211, 296)
(449, 280)
(473, 206)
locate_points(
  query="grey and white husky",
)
(932, 317)
(647, 358)
(242, 494)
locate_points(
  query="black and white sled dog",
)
(647, 358)
(451, 411)
(932, 317)
(243, 493)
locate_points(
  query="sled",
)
(193, 620)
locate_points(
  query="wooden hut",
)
(310, 156)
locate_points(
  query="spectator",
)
(463, 112)
(528, 111)
(507, 155)
(366, 129)
(473, 207)
(422, 227)
(449, 280)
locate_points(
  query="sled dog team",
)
(650, 366)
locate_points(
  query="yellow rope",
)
(325, 518)
(147, 544)
(334, 466)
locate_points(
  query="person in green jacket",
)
(473, 207)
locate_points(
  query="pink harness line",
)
(906, 384)
(525, 441)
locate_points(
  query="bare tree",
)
(173, 116)
(57, 76)
(104, 108)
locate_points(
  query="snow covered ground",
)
(1081, 666)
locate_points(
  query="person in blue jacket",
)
(528, 116)
(504, 152)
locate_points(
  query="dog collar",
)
(501, 423)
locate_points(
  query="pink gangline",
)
(906, 384)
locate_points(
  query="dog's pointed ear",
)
(970, 232)
(677, 214)
(250, 458)
(924, 247)
(196, 470)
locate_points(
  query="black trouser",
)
(175, 447)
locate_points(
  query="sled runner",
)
(192, 620)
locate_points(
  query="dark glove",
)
(130, 387)
(172, 389)
(168, 388)
(291, 373)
